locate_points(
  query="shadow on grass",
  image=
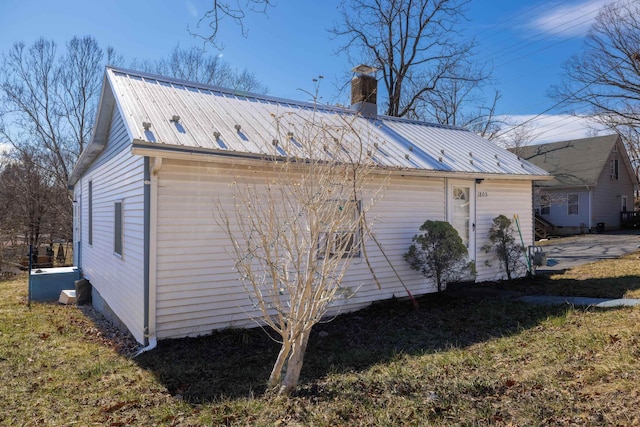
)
(613, 287)
(237, 363)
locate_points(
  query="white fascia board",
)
(143, 148)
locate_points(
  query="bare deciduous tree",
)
(49, 101)
(295, 232)
(415, 44)
(29, 195)
(459, 103)
(235, 11)
(520, 135)
(47, 109)
(194, 64)
(606, 75)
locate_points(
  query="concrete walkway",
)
(568, 252)
(579, 301)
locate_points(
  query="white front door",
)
(461, 212)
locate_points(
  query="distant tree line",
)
(48, 101)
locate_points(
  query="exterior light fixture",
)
(175, 118)
(146, 125)
(216, 134)
(238, 127)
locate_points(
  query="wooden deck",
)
(630, 219)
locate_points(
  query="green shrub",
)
(504, 246)
(438, 253)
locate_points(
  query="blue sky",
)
(525, 42)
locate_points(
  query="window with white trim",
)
(613, 169)
(340, 237)
(118, 228)
(573, 204)
(90, 213)
(545, 204)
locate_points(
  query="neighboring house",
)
(593, 183)
(164, 151)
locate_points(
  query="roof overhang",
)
(98, 141)
(167, 151)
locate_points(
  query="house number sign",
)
(481, 194)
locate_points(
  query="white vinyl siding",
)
(118, 279)
(199, 291)
(501, 197)
(607, 195)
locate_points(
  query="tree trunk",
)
(294, 364)
(276, 373)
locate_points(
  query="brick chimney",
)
(364, 91)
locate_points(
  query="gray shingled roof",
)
(573, 163)
(219, 121)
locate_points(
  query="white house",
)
(164, 151)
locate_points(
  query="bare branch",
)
(297, 226)
(416, 46)
(234, 11)
(194, 64)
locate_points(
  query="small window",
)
(572, 204)
(118, 228)
(90, 213)
(340, 239)
(545, 204)
(613, 166)
(623, 202)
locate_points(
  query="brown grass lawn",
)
(460, 359)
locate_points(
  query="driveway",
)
(567, 252)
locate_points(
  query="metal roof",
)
(163, 112)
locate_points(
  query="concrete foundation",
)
(103, 307)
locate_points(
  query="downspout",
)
(150, 221)
(590, 192)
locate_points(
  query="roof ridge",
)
(269, 98)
